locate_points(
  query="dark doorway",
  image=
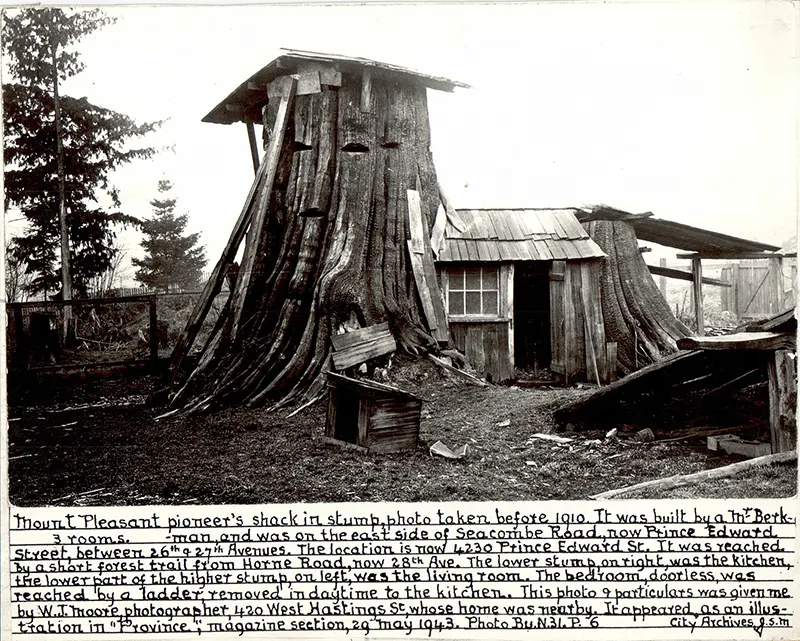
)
(532, 315)
(347, 408)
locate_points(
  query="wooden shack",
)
(522, 289)
(370, 416)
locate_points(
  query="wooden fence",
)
(758, 289)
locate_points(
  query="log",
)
(697, 290)
(745, 340)
(699, 432)
(782, 373)
(680, 480)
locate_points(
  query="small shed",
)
(370, 416)
(522, 288)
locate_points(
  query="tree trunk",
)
(635, 314)
(332, 248)
(66, 276)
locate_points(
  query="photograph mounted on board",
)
(504, 261)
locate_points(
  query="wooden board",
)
(308, 83)
(415, 227)
(286, 85)
(418, 269)
(557, 319)
(594, 331)
(349, 339)
(486, 347)
(743, 340)
(364, 351)
(782, 373)
(667, 272)
(214, 283)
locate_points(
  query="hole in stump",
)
(390, 145)
(356, 148)
(300, 146)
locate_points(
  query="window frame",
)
(500, 290)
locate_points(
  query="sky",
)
(685, 109)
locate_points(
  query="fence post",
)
(153, 333)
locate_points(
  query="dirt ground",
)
(98, 444)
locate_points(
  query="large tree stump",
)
(332, 246)
(635, 314)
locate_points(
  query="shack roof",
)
(671, 234)
(502, 235)
(252, 93)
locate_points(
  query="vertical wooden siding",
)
(486, 346)
(754, 291)
(577, 334)
(487, 343)
(558, 322)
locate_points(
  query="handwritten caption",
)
(460, 570)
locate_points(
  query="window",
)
(473, 291)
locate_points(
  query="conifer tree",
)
(172, 259)
(60, 152)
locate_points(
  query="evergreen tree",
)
(60, 151)
(172, 260)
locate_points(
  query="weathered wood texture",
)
(558, 321)
(697, 295)
(354, 348)
(782, 372)
(374, 417)
(664, 272)
(333, 245)
(680, 480)
(577, 332)
(744, 340)
(758, 287)
(635, 314)
(485, 345)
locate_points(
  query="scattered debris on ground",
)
(117, 454)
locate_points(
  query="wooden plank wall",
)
(753, 284)
(557, 319)
(485, 345)
(575, 307)
(594, 329)
(394, 424)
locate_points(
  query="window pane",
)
(473, 277)
(473, 302)
(456, 278)
(490, 278)
(490, 303)
(455, 302)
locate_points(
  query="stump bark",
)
(635, 314)
(330, 248)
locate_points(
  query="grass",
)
(113, 452)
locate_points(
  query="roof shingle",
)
(510, 235)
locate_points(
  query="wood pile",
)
(746, 381)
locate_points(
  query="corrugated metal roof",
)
(251, 94)
(509, 235)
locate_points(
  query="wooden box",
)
(370, 416)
